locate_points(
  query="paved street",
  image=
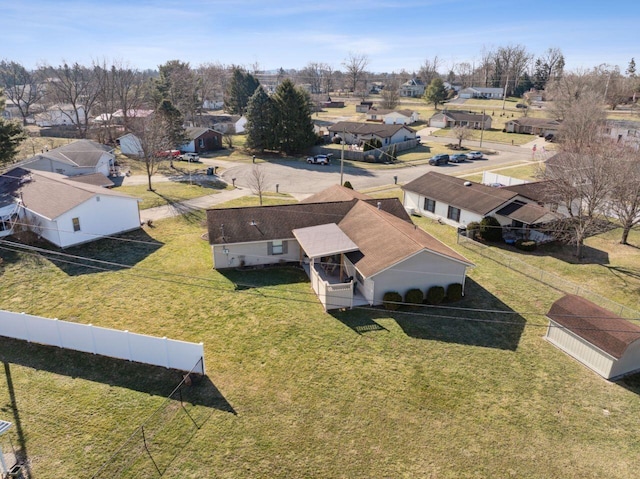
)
(301, 179)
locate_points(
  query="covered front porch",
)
(8, 218)
(324, 248)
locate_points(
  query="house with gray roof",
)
(458, 202)
(533, 126)
(392, 117)
(412, 88)
(453, 118)
(355, 133)
(354, 249)
(482, 93)
(61, 210)
(80, 157)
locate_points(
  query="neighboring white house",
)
(623, 131)
(412, 88)
(354, 249)
(80, 157)
(482, 93)
(453, 118)
(212, 104)
(130, 145)
(240, 124)
(59, 115)
(459, 202)
(393, 117)
(63, 211)
(533, 126)
(354, 133)
(602, 341)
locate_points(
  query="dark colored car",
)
(458, 158)
(550, 138)
(438, 160)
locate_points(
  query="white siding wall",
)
(580, 349)
(421, 271)
(44, 227)
(252, 254)
(130, 145)
(391, 119)
(416, 202)
(48, 164)
(629, 362)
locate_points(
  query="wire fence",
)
(550, 279)
(153, 446)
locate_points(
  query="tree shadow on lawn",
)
(108, 254)
(154, 380)
(460, 325)
(349, 168)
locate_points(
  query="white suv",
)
(190, 157)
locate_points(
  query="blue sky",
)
(289, 34)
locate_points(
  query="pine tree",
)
(631, 69)
(294, 127)
(11, 135)
(260, 128)
(241, 87)
(435, 93)
(173, 123)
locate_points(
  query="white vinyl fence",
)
(87, 338)
(489, 178)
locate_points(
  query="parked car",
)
(438, 160)
(550, 138)
(474, 155)
(169, 153)
(319, 159)
(521, 105)
(190, 157)
(458, 158)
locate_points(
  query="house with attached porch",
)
(458, 202)
(355, 133)
(354, 248)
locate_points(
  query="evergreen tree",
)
(260, 127)
(435, 93)
(173, 121)
(11, 135)
(241, 87)
(631, 69)
(294, 128)
(180, 85)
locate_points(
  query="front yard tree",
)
(179, 84)
(625, 195)
(257, 181)
(390, 95)
(435, 93)
(260, 127)
(294, 127)
(153, 142)
(21, 86)
(173, 124)
(240, 88)
(461, 133)
(11, 135)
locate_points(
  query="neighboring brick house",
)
(201, 140)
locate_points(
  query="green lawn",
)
(359, 394)
(169, 192)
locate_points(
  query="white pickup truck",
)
(319, 159)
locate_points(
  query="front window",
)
(453, 213)
(276, 247)
(429, 205)
(76, 224)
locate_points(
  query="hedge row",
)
(392, 300)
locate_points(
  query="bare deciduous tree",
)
(257, 181)
(153, 143)
(461, 133)
(21, 86)
(390, 95)
(356, 65)
(624, 206)
(429, 70)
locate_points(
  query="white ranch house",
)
(62, 210)
(393, 117)
(80, 157)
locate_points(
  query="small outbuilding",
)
(602, 341)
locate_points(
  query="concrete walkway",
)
(189, 206)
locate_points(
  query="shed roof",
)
(476, 197)
(599, 326)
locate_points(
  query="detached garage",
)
(602, 341)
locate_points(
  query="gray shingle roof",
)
(379, 129)
(476, 197)
(82, 153)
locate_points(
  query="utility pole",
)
(482, 130)
(504, 94)
(342, 160)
